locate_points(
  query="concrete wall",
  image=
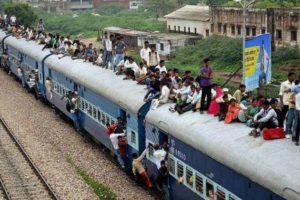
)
(202, 28)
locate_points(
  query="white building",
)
(190, 19)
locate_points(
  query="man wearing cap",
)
(223, 102)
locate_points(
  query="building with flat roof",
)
(165, 43)
(190, 19)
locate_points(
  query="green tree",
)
(24, 13)
(161, 7)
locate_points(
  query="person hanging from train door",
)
(49, 90)
(138, 168)
(21, 76)
(114, 138)
(162, 180)
(75, 111)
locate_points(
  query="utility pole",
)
(245, 5)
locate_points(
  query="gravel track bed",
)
(49, 141)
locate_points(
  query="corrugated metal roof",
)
(190, 12)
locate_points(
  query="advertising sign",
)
(258, 64)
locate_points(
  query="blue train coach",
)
(214, 159)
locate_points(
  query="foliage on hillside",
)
(24, 13)
(267, 3)
(88, 23)
(224, 51)
(226, 54)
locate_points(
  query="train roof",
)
(126, 94)
(272, 164)
(29, 48)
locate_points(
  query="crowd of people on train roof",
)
(165, 85)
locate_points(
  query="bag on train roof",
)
(273, 133)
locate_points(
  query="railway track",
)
(19, 176)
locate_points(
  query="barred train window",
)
(150, 149)
(133, 137)
(209, 189)
(179, 170)
(106, 119)
(103, 118)
(220, 194)
(199, 183)
(99, 116)
(82, 104)
(94, 112)
(86, 105)
(189, 178)
(90, 109)
(231, 197)
(172, 165)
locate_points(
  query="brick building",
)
(283, 24)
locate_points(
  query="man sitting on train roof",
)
(266, 118)
(130, 69)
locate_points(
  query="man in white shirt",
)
(266, 118)
(164, 96)
(154, 58)
(159, 155)
(131, 69)
(114, 140)
(108, 52)
(144, 53)
(161, 66)
(284, 93)
(21, 76)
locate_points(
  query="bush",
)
(286, 53)
(224, 51)
(24, 13)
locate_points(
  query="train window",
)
(94, 112)
(86, 106)
(133, 137)
(220, 194)
(99, 116)
(171, 165)
(106, 119)
(63, 91)
(55, 87)
(189, 178)
(103, 118)
(150, 150)
(199, 183)
(90, 110)
(82, 104)
(179, 170)
(210, 190)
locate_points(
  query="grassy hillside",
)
(226, 54)
(87, 23)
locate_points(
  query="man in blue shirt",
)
(119, 48)
(206, 75)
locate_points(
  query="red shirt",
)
(122, 147)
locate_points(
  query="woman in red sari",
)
(233, 111)
(214, 107)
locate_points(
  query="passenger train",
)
(205, 154)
